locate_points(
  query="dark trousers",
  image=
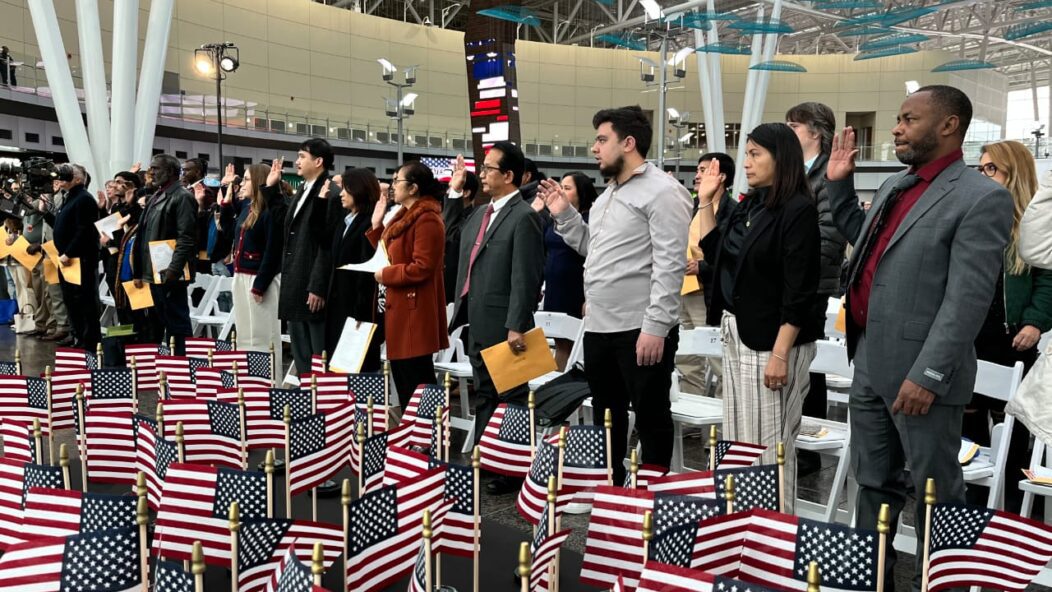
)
(410, 373)
(82, 303)
(882, 444)
(6, 70)
(618, 384)
(307, 339)
(487, 398)
(171, 315)
(998, 350)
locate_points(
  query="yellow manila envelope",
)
(18, 251)
(51, 252)
(139, 298)
(841, 318)
(690, 282)
(5, 249)
(509, 369)
(50, 272)
(72, 271)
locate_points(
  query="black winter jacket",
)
(833, 243)
(257, 250)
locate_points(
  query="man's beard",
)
(614, 170)
(919, 151)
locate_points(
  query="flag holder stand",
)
(329, 488)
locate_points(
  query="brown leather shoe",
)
(56, 336)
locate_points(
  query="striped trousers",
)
(755, 414)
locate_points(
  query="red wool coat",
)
(415, 317)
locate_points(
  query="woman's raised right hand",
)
(381, 208)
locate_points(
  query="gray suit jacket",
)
(934, 284)
(507, 275)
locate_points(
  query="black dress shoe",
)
(503, 485)
(66, 342)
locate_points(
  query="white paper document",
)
(378, 261)
(109, 225)
(352, 347)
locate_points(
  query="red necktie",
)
(475, 248)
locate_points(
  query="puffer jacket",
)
(833, 243)
(1035, 231)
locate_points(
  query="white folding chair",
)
(833, 308)
(207, 283)
(109, 306)
(830, 359)
(987, 468)
(209, 315)
(1040, 463)
(557, 325)
(691, 409)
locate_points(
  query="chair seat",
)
(540, 381)
(835, 438)
(981, 467)
(107, 300)
(1035, 488)
(695, 410)
(455, 369)
(210, 319)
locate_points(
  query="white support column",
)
(770, 48)
(125, 56)
(60, 81)
(147, 102)
(96, 97)
(719, 143)
(751, 77)
(706, 89)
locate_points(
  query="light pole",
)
(217, 59)
(676, 62)
(403, 106)
(679, 121)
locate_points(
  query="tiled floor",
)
(496, 509)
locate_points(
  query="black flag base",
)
(279, 466)
(329, 489)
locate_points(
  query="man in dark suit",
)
(499, 279)
(921, 278)
(305, 265)
(77, 238)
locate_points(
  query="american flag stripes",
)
(110, 392)
(16, 479)
(61, 512)
(23, 399)
(458, 530)
(376, 450)
(63, 396)
(698, 483)
(212, 430)
(72, 563)
(265, 413)
(198, 347)
(542, 557)
(19, 444)
(196, 507)
(153, 456)
(644, 475)
(384, 524)
(318, 364)
(110, 441)
(319, 446)
(614, 545)
(976, 546)
(420, 413)
(718, 546)
(754, 487)
(403, 464)
(68, 358)
(171, 577)
(442, 168)
(658, 577)
(331, 388)
(534, 492)
(211, 380)
(145, 356)
(264, 542)
(249, 363)
(180, 374)
(505, 444)
(731, 455)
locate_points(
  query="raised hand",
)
(228, 177)
(842, 158)
(324, 193)
(136, 167)
(537, 204)
(274, 176)
(380, 208)
(460, 174)
(710, 182)
(553, 195)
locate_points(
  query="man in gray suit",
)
(499, 279)
(921, 278)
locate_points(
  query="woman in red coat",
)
(415, 240)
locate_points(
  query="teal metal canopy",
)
(779, 66)
(959, 65)
(893, 40)
(884, 53)
(515, 14)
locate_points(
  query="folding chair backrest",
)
(700, 341)
(558, 325)
(833, 308)
(204, 282)
(998, 382)
(831, 358)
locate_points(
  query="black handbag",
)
(556, 400)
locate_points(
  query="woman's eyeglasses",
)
(989, 169)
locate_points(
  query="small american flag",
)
(318, 364)
(198, 347)
(23, 399)
(719, 543)
(419, 582)
(442, 168)
(291, 575)
(384, 525)
(505, 444)
(331, 389)
(68, 358)
(72, 563)
(674, 546)
(180, 374)
(211, 380)
(171, 577)
(404, 464)
(614, 544)
(754, 487)
(458, 530)
(249, 363)
(543, 555)
(110, 441)
(697, 483)
(730, 455)
(366, 386)
(196, 507)
(420, 413)
(584, 460)
(16, 479)
(673, 511)
(976, 546)
(211, 429)
(61, 512)
(659, 577)
(63, 396)
(19, 444)
(145, 355)
(265, 413)
(376, 449)
(264, 542)
(111, 392)
(645, 475)
(153, 456)
(9, 368)
(534, 492)
(319, 446)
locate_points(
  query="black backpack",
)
(556, 400)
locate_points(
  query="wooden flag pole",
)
(233, 339)
(781, 477)
(210, 358)
(562, 454)
(158, 415)
(883, 528)
(317, 563)
(324, 361)
(171, 345)
(180, 441)
(728, 493)
(237, 378)
(524, 567)
(648, 533)
(447, 434)
(273, 366)
(98, 354)
(813, 577)
(361, 460)
(313, 409)
(387, 395)
(163, 394)
(553, 498)
(369, 417)
(244, 428)
(235, 528)
(288, 461)
(929, 503)
(532, 404)
(135, 385)
(197, 564)
(345, 505)
(475, 463)
(268, 468)
(63, 461)
(50, 422)
(427, 549)
(82, 448)
(441, 444)
(140, 485)
(18, 361)
(633, 468)
(712, 447)
(142, 516)
(38, 445)
(608, 424)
